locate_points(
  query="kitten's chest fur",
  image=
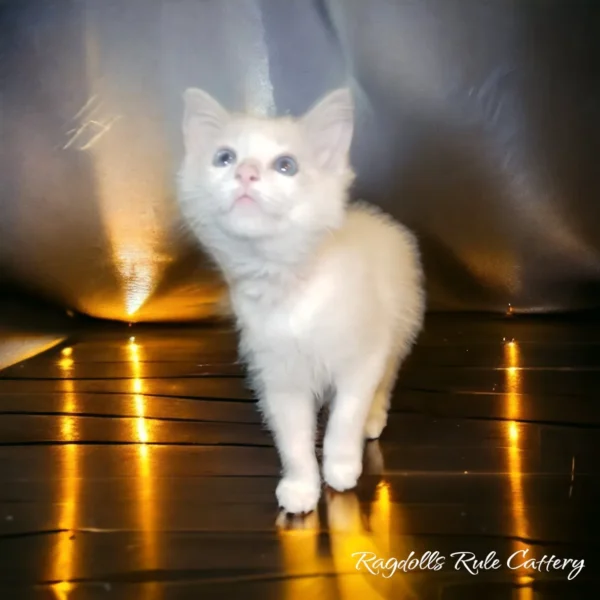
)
(282, 313)
(283, 328)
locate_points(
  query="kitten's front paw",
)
(298, 496)
(342, 472)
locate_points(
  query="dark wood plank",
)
(485, 329)
(128, 405)
(122, 370)
(203, 387)
(571, 382)
(581, 411)
(123, 461)
(499, 354)
(41, 429)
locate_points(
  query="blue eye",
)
(224, 157)
(286, 165)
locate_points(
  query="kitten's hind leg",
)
(378, 413)
(344, 439)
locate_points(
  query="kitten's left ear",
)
(330, 125)
(203, 117)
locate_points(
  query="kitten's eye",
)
(224, 157)
(286, 165)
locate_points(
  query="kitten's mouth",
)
(244, 199)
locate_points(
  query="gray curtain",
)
(477, 126)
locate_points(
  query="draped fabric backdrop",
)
(477, 126)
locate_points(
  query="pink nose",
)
(246, 173)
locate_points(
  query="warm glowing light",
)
(144, 453)
(349, 536)
(67, 351)
(137, 252)
(142, 430)
(139, 278)
(381, 516)
(138, 388)
(515, 470)
(299, 542)
(68, 423)
(67, 429)
(145, 507)
(65, 364)
(139, 404)
(64, 559)
(383, 496)
(132, 339)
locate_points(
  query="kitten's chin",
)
(250, 222)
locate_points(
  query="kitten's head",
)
(255, 177)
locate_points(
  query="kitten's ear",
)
(203, 117)
(330, 125)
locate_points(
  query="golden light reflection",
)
(515, 471)
(130, 187)
(381, 516)
(64, 559)
(353, 533)
(351, 536)
(146, 506)
(65, 364)
(299, 541)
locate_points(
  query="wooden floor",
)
(138, 469)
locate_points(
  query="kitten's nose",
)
(247, 172)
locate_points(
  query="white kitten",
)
(325, 296)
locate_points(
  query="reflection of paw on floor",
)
(329, 542)
(353, 534)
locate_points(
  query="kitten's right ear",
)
(203, 117)
(330, 125)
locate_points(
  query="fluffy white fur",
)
(326, 296)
